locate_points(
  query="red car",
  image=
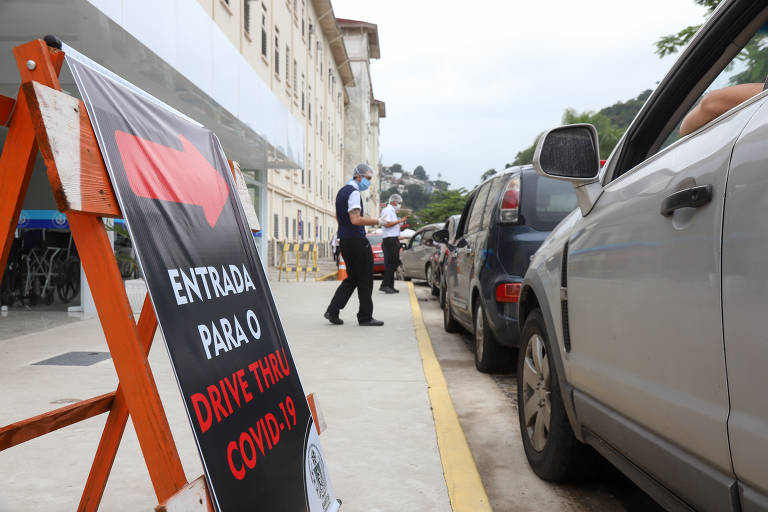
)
(378, 254)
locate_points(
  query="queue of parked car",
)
(630, 295)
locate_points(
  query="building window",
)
(287, 66)
(276, 229)
(294, 229)
(302, 176)
(264, 31)
(302, 92)
(247, 15)
(309, 178)
(277, 52)
(286, 227)
(295, 74)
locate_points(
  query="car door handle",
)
(688, 198)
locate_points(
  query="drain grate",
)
(75, 359)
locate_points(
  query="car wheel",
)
(552, 450)
(442, 296)
(449, 323)
(431, 279)
(490, 357)
(400, 273)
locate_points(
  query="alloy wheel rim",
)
(537, 405)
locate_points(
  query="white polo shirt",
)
(353, 202)
(388, 214)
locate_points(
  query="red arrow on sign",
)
(159, 172)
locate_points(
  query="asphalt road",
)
(487, 409)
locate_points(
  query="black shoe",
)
(334, 319)
(371, 323)
(387, 289)
(395, 290)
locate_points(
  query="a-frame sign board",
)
(43, 118)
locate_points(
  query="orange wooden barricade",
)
(44, 118)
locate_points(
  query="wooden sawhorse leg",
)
(115, 425)
(128, 351)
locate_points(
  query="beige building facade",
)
(361, 135)
(299, 50)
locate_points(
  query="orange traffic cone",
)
(342, 268)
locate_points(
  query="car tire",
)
(490, 356)
(442, 296)
(430, 280)
(552, 450)
(449, 323)
(400, 273)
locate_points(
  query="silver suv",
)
(642, 312)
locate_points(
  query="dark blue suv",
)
(504, 222)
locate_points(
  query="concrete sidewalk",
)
(380, 443)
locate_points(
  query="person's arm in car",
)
(717, 103)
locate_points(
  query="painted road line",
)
(465, 488)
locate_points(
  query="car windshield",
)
(374, 239)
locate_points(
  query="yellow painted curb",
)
(465, 488)
(326, 277)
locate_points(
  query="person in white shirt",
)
(390, 244)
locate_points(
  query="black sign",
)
(227, 346)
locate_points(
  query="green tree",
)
(622, 113)
(442, 204)
(414, 197)
(487, 174)
(525, 157)
(420, 173)
(754, 56)
(395, 168)
(608, 134)
(672, 43)
(441, 185)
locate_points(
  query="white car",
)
(643, 311)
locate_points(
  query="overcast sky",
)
(469, 84)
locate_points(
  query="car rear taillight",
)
(510, 203)
(508, 292)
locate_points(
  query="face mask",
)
(397, 207)
(363, 184)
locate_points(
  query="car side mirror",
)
(440, 236)
(570, 153)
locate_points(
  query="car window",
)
(478, 209)
(497, 190)
(416, 239)
(461, 227)
(745, 68)
(427, 239)
(730, 51)
(545, 202)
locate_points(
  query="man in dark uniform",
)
(355, 249)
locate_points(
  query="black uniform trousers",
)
(359, 261)
(390, 246)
